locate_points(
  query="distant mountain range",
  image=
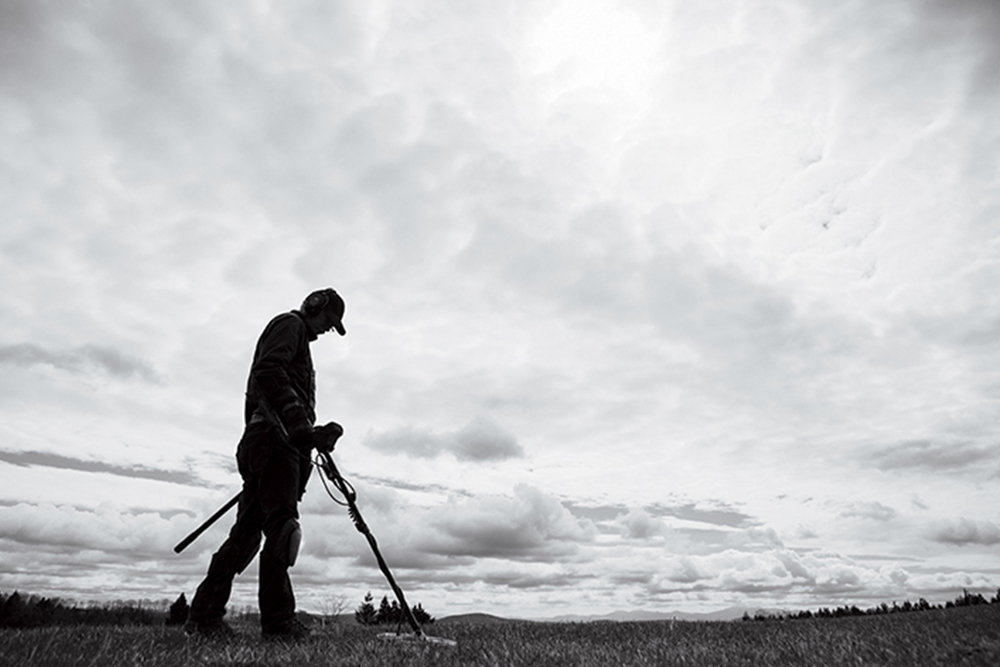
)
(729, 614)
(476, 618)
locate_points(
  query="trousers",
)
(271, 472)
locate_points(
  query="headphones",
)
(316, 302)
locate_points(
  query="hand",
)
(325, 437)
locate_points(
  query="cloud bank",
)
(82, 359)
(650, 304)
(480, 440)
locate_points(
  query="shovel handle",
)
(183, 544)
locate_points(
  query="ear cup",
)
(315, 303)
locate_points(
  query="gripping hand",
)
(325, 437)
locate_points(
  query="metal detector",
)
(324, 461)
(329, 469)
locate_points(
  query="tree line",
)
(33, 611)
(388, 613)
(967, 599)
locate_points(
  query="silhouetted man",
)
(273, 457)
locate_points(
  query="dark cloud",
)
(49, 460)
(870, 510)
(23, 36)
(530, 526)
(402, 556)
(596, 512)
(80, 360)
(932, 456)
(975, 22)
(112, 534)
(536, 581)
(514, 576)
(139, 67)
(721, 516)
(645, 523)
(963, 532)
(484, 440)
(404, 485)
(480, 440)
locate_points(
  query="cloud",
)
(459, 536)
(874, 511)
(80, 360)
(805, 533)
(638, 524)
(503, 545)
(722, 515)
(780, 574)
(672, 267)
(729, 528)
(406, 485)
(112, 530)
(976, 21)
(484, 440)
(597, 513)
(647, 522)
(480, 440)
(963, 532)
(22, 40)
(535, 581)
(30, 458)
(740, 571)
(528, 526)
(753, 539)
(932, 456)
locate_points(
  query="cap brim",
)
(339, 326)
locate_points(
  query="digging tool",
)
(183, 544)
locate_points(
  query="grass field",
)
(962, 636)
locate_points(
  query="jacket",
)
(282, 368)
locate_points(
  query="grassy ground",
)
(963, 636)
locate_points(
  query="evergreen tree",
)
(384, 615)
(365, 614)
(395, 613)
(423, 618)
(12, 611)
(178, 611)
(388, 613)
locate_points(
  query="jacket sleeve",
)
(276, 349)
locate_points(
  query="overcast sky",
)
(651, 305)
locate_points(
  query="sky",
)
(651, 305)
